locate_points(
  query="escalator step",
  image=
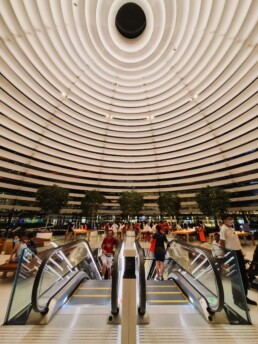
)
(164, 293)
(92, 292)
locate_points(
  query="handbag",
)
(153, 245)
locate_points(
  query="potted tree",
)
(131, 203)
(212, 202)
(91, 203)
(51, 199)
(169, 203)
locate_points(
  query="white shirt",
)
(216, 249)
(114, 228)
(231, 239)
(147, 228)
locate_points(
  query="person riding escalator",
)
(108, 246)
(159, 252)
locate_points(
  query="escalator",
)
(65, 282)
(192, 274)
(194, 303)
(64, 290)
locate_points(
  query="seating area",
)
(8, 267)
(2, 244)
(6, 246)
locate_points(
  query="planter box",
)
(46, 236)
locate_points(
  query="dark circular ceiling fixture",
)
(130, 20)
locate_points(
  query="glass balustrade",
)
(196, 266)
(218, 280)
(58, 267)
(20, 300)
(235, 299)
(37, 280)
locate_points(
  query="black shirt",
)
(160, 239)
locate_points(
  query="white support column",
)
(129, 307)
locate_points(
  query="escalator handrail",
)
(34, 296)
(142, 279)
(115, 280)
(211, 260)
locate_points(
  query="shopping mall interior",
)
(146, 96)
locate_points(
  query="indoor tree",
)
(212, 201)
(91, 203)
(131, 203)
(169, 203)
(51, 199)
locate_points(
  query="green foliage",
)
(91, 203)
(169, 203)
(212, 201)
(131, 203)
(52, 198)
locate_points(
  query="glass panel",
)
(235, 299)
(20, 298)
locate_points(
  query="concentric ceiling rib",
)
(173, 109)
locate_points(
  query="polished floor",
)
(167, 323)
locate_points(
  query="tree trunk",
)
(47, 220)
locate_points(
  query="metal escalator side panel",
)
(141, 279)
(57, 300)
(116, 280)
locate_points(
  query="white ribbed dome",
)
(173, 109)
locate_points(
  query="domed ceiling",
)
(168, 103)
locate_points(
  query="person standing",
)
(159, 252)
(69, 232)
(229, 241)
(31, 244)
(114, 228)
(166, 227)
(201, 232)
(136, 228)
(215, 247)
(179, 226)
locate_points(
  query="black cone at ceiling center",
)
(130, 20)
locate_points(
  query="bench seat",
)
(8, 267)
